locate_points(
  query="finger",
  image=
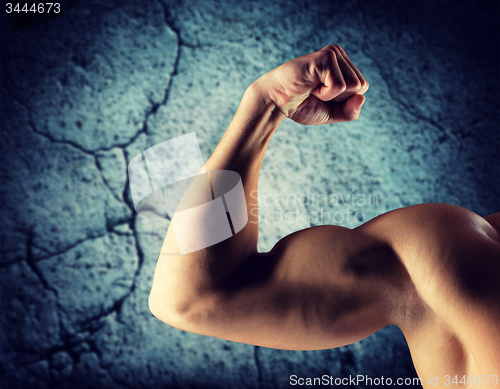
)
(352, 107)
(348, 110)
(364, 83)
(331, 81)
(353, 84)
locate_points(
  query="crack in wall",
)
(257, 364)
(97, 351)
(173, 73)
(34, 268)
(68, 342)
(105, 182)
(51, 138)
(49, 255)
(169, 21)
(171, 25)
(71, 340)
(70, 247)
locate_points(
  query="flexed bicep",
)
(318, 288)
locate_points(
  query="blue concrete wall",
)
(85, 93)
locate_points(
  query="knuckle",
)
(325, 57)
(333, 47)
(339, 49)
(364, 86)
(331, 54)
(355, 86)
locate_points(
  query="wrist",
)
(277, 96)
(261, 90)
(257, 117)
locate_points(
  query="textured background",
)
(83, 94)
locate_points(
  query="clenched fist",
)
(318, 88)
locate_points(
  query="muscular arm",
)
(318, 288)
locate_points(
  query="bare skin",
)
(432, 269)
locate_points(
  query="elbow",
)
(172, 311)
(154, 306)
(187, 314)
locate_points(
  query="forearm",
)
(242, 150)
(189, 277)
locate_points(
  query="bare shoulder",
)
(445, 247)
(453, 258)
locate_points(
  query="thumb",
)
(352, 107)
